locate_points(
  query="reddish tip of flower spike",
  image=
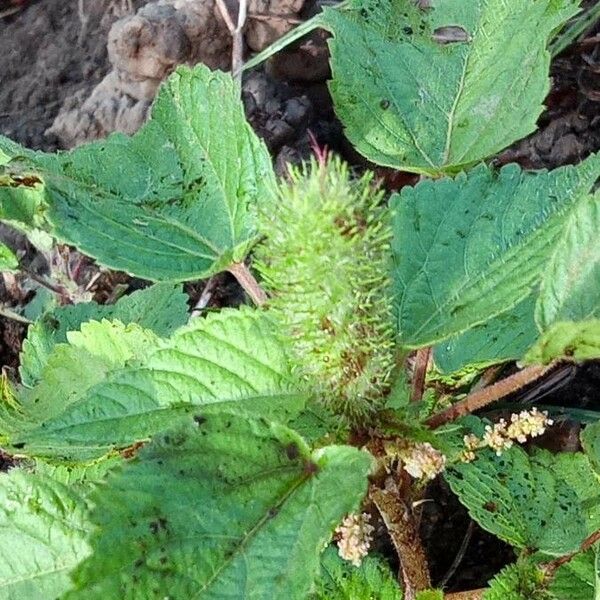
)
(322, 154)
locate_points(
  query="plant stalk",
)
(401, 526)
(420, 372)
(470, 595)
(245, 278)
(481, 398)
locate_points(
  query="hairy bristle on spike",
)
(324, 262)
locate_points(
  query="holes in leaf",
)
(159, 525)
(451, 34)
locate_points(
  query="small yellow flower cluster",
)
(355, 538)
(528, 424)
(500, 437)
(424, 461)
(497, 437)
(472, 443)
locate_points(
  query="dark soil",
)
(569, 129)
(48, 53)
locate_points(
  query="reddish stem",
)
(245, 278)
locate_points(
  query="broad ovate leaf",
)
(431, 86)
(522, 580)
(576, 469)
(340, 580)
(161, 308)
(171, 203)
(471, 248)
(590, 440)
(578, 579)
(566, 340)
(231, 360)
(570, 289)
(43, 535)
(505, 337)
(72, 369)
(77, 475)
(523, 499)
(248, 510)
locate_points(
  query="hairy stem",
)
(402, 528)
(477, 400)
(245, 278)
(420, 371)
(470, 595)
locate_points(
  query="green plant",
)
(164, 458)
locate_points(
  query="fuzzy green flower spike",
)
(325, 263)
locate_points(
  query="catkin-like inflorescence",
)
(355, 537)
(325, 264)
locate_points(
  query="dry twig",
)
(459, 556)
(84, 20)
(237, 35)
(205, 296)
(7, 12)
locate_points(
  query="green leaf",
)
(522, 580)
(502, 338)
(171, 203)
(43, 302)
(72, 369)
(522, 499)
(161, 308)
(8, 259)
(579, 579)
(43, 533)
(78, 475)
(412, 99)
(576, 470)
(247, 513)
(340, 580)
(571, 341)
(570, 288)
(471, 248)
(590, 440)
(112, 341)
(22, 195)
(231, 360)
